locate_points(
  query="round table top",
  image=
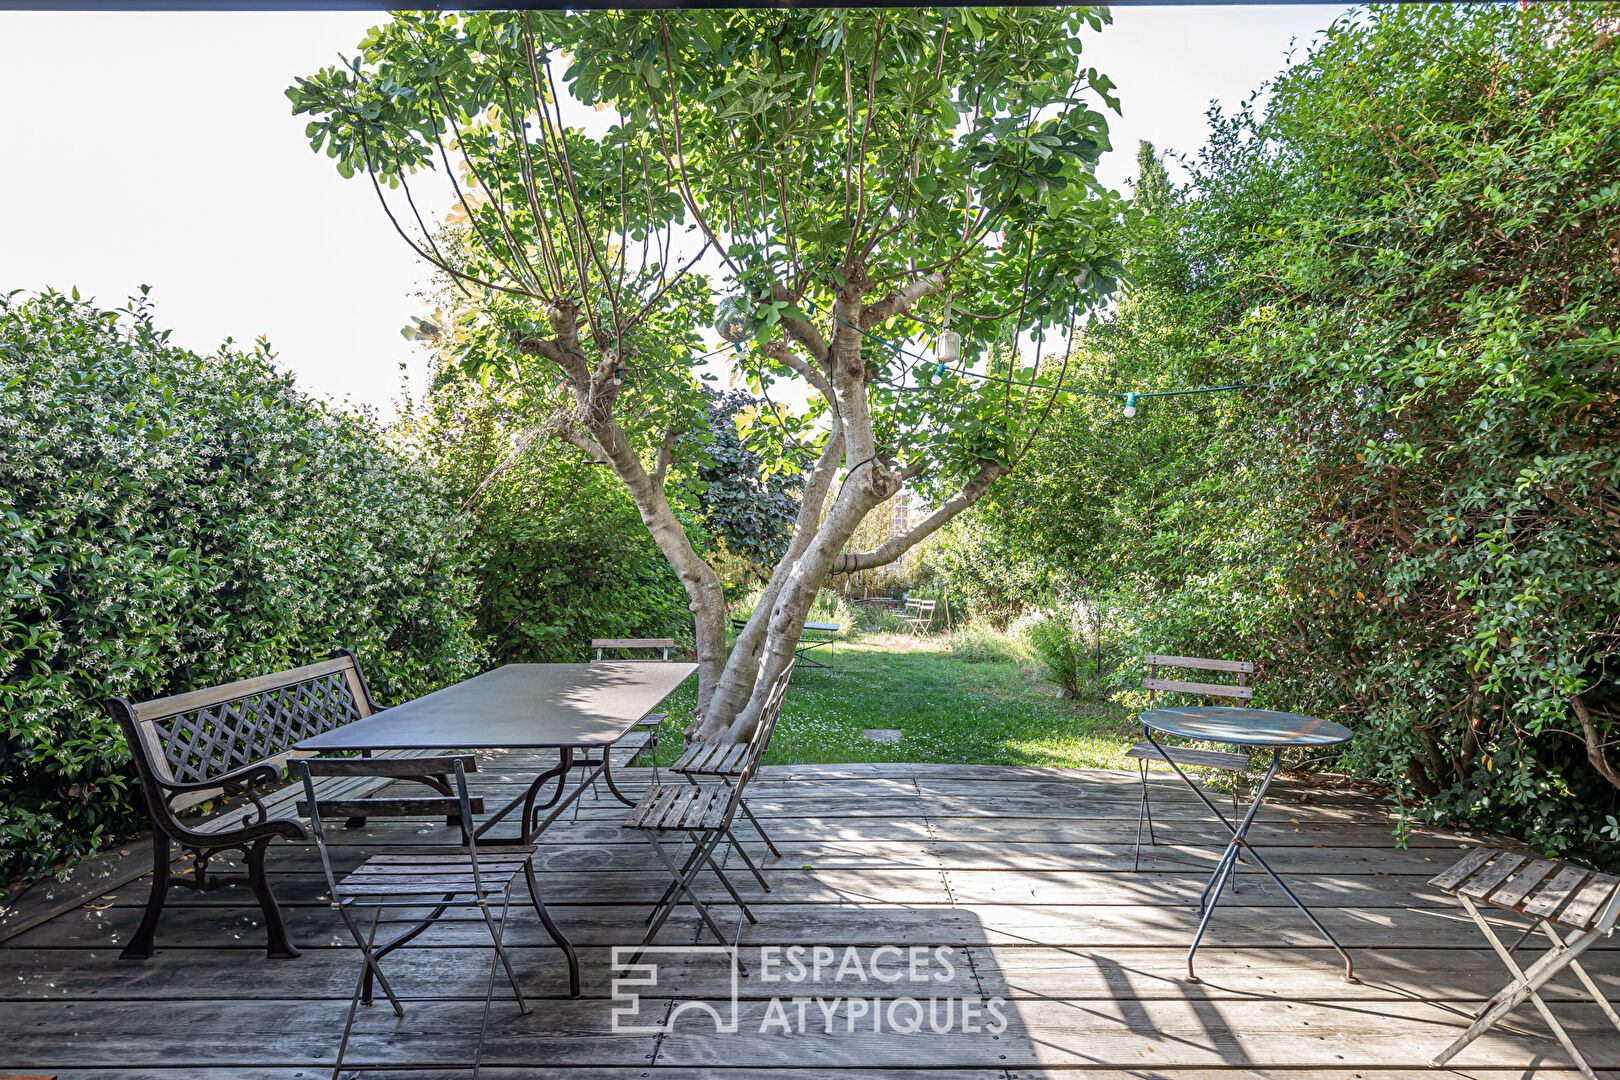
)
(1246, 727)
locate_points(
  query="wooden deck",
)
(1024, 874)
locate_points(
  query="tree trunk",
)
(730, 687)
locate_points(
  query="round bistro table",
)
(1265, 729)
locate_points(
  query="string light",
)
(954, 350)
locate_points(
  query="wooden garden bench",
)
(234, 741)
(919, 615)
(1554, 896)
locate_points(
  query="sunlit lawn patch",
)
(950, 710)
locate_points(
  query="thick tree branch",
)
(585, 444)
(900, 302)
(803, 331)
(779, 351)
(896, 546)
(666, 455)
(1595, 746)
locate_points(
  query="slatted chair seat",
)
(1553, 895)
(414, 871)
(699, 808)
(1181, 755)
(725, 760)
(1564, 894)
(711, 759)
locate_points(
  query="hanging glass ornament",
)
(734, 319)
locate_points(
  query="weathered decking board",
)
(1022, 872)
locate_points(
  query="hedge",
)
(169, 521)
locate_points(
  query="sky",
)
(159, 149)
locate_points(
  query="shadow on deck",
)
(1000, 883)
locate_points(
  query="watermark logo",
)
(628, 1005)
(909, 990)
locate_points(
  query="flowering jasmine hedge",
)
(170, 521)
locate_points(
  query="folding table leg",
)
(1144, 812)
(1217, 881)
(1525, 985)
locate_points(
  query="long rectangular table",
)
(575, 709)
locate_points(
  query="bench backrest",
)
(1238, 688)
(646, 644)
(197, 736)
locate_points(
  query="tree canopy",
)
(1410, 516)
(859, 178)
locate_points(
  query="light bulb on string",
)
(1130, 405)
(948, 348)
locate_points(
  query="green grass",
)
(949, 709)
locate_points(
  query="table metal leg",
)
(1211, 894)
(802, 656)
(607, 774)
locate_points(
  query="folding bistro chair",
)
(1553, 895)
(1146, 753)
(919, 615)
(704, 813)
(724, 761)
(455, 876)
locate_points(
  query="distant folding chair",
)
(455, 876)
(1146, 753)
(703, 813)
(1553, 895)
(919, 615)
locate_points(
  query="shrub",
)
(981, 643)
(558, 548)
(1059, 648)
(1078, 646)
(1408, 516)
(993, 576)
(172, 521)
(830, 607)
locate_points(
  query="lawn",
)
(948, 709)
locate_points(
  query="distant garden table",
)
(830, 629)
(570, 708)
(1276, 731)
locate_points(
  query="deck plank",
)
(1022, 874)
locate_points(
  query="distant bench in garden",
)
(234, 741)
